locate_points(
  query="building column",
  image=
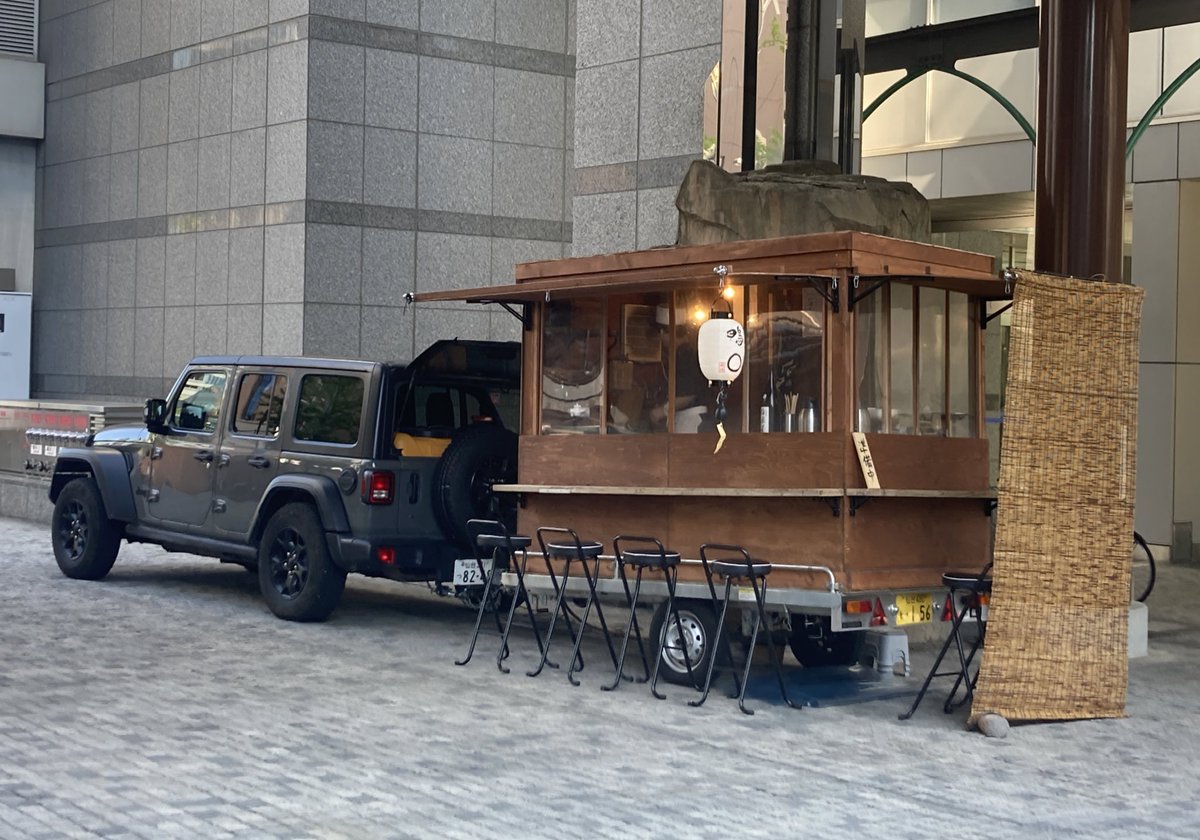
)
(1166, 262)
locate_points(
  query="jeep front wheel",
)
(85, 540)
(298, 578)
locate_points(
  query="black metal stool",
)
(650, 554)
(970, 588)
(739, 567)
(492, 535)
(570, 549)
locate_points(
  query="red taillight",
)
(378, 487)
(386, 555)
(948, 610)
(878, 617)
(857, 607)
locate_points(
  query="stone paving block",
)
(166, 701)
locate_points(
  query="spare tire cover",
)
(479, 456)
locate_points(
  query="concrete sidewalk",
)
(167, 702)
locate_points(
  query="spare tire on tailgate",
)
(479, 456)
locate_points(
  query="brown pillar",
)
(1084, 74)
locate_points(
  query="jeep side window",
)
(197, 407)
(329, 408)
(260, 404)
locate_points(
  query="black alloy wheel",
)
(289, 563)
(73, 530)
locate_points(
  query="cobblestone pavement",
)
(167, 702)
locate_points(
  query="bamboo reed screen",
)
(1057, 632)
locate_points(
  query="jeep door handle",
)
(204, 455)
(223, 459)
(258, 462)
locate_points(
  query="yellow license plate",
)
(914, 608)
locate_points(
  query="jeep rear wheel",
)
(85, 540)
(298, 578)
(478, 457)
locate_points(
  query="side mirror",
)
(154, 413)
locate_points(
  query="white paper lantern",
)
(721, 345)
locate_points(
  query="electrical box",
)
(16, 320)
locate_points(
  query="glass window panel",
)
(638, 363)
(786, 333)
(260, 404)
(573, 343)
(870, 361)
(901, 324)
(329, 409)
(931, 361)
(944, 11)
(695, 399)
(198, 406)
(960, 360)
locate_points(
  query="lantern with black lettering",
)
(721, 346)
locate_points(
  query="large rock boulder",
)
(791, 198)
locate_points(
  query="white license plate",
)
(466, 571)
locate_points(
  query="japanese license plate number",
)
(914, 608)
(466, 571)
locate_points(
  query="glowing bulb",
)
(698, 314)
(728, 292)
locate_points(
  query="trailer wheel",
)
(699, 624)
(815, 645)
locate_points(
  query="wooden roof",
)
(848, 252)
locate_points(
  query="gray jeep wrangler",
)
(306, 469)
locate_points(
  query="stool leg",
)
(712, 660)
(962, 677)
(559, 606)
(741, 695)
(520, 594)
(637, 634)
(592, 600)
(963, 664)
(761, 597)
(671, 576)
(487, 577)
(958, 617)
(632, 601)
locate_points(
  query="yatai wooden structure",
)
(845, 332)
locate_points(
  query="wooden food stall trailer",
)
(844, 332)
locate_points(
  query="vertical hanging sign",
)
(865, 461)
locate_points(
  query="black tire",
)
(298, 578)
(479, 456)
(700, 629)
(815, 645)
(1144, 570)
(85, 540)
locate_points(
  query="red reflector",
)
(378, 487)
(856, 607)
(948, 610)
(386, 555)
(879, 617)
